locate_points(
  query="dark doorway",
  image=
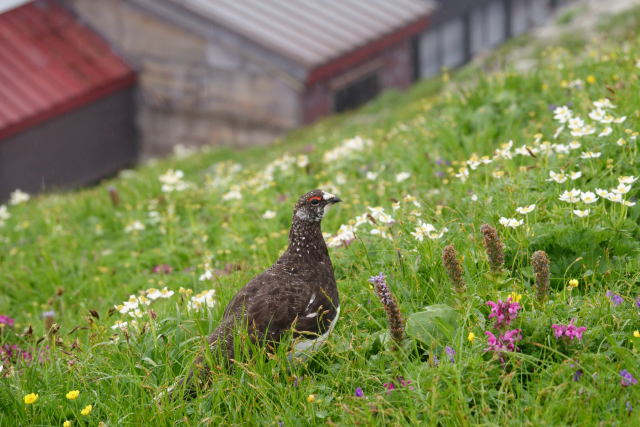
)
(356, 93)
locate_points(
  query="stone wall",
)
(192, 91)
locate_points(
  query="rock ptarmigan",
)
(297, 293)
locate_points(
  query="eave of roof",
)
(308, 39)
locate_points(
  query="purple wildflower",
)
(389, 386)
(627, 378)
(577, 375)
(435, 360)
(504, 312)
(629, 407)
(570, 331)
(615, 298)
(638, 302)
(504, 342)
(450, 352)
(6, 320)
(359, 392)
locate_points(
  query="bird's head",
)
(311, 206)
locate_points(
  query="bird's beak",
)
(334, 199)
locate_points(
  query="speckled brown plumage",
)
(297, 293)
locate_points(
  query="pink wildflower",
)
(504, 342)
(504, 312)
(570, 331)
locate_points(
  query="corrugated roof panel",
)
(311, 32)
(49, 64)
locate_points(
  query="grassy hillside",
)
(417, 172)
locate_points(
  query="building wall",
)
(76, 148)
(463, 28)
(193, 90)
(394, 67)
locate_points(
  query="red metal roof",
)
(50, 64)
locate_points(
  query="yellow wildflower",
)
(30, 398)
(591, 79)
(573, 283)
(66, 424)
(515, 297)
(73, 394)
(86, 410)
(471, 336)
(311, 398)
(636, 333)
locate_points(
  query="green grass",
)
(70, 253)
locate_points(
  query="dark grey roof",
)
(310, 32)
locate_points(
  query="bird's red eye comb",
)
(311, 199)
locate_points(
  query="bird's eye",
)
(314, 200)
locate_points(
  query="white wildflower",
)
(598, 115)
(4, 214)
(621, 142)
(18, 196)
(347, 149)
(153, 293)
(207, 275)
(525, 209)
(463, 174)
(202, 300)
(345, 234)
(371, 176)
(581, 213)
(411, 199)
(621, 180)
(134, 226)
(574, 145)
(269, 214)
(602, 193)
(560, 148)
(588, 197)
(606, 131)
(562, 114)
(429, 230)
(576, 123)
(603, 103)
(622, 188)
(381, 231)
(380, 215)
(511, 222)
(575, 175)
(614, 197)
(504, 151)
(233, 194)
(130, 304)
(402, 176)
(559, 177)
(302, 161)
(172, 181)
(120, 325)
(590, 155)
(137, 313)
(572, 196)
